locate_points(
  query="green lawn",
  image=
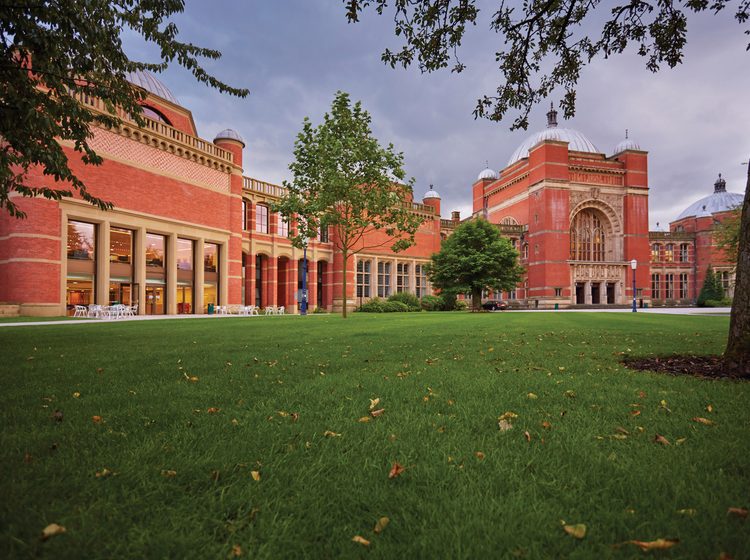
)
(266, 390)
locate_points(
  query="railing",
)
(262, 187)
(160, 128)
(427, 209)
(512, 229)
(677, 235)
(448, 223)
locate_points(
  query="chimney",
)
(455, 216)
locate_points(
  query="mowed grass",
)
(469, 490)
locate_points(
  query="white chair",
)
(132, 311)
(81, 311)
(253, 310)
(271, 310)
(280, 310)
(95, 310)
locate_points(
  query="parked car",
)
(495, 305)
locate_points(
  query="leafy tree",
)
(343, 179)
(727, 234)
(54, 53)
(543, 45)
(473, 259)
(712, 289)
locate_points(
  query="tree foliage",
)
(727, 234)
(475, 258)
(544, 44)
(55, 52)
(344, 180)
(712, 289)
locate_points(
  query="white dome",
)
(229, 134)
(576, 142)
(719, 201)
(627, 144)
(487, 174)
(151, 83)
(432, 193)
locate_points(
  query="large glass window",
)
(210, 257)
(155, 250)
(210, 274)
(283, 226)
(261, 218)
(184, 254)
(655, 252)
(421, 280)
(156, 274)
(587, 237)
(655, 286)
(245, 215)
(185, 275)
(120, 245)
(402, 277)
(81, 241)
(684, 248)
(669, 253)
(258, 280)
(669, 286)
(363, 279)
(684, 285)
(384, 279)
(121, 267)
(323, 234)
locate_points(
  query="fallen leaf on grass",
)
(570, 394)
(661, 440)
(577, 531)
(365, 419)
(381, 524)
(235, 422)
(104, 473)
(212, 410)
(191, 378)
(663, 404)
(376, 413)
(479, 455)
(283, 413)
(255, 475)
(680, 441)
(169, 473)
(738, 512)
(641, 395)
(329, 433)
(295, 416)
(76, 395)
(96, 419)
(396, 470)
(236, 551)
(507, 415)
(690, 512)
(704, 421)
(527, 435)
(635, 412)
(546, 425)
(360, 540)
(658, 544)
(621, 430)
(52, 530)
(709, 408)
(504, 425)
(374, 402)
(57, 416)
(532, 396)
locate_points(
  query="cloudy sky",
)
(295, 54)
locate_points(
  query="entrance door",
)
(580, 293)
(155, 300)
(595, 293)
(610, 293)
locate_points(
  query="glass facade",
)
(210, 275)
(81, 276)
(156, 274)
(121, 267)
(402, 277)
(363, 279)
(185, 276)
(384, 279)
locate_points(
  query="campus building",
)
(189, 229)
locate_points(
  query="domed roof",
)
(432, 193)
(627, 144)
(487, 174)
(229, 134)
(576, 140)
(719, 201)
(151, 83)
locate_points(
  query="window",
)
(261, 218)
(421, 281)
(684, 286)
(725, 280)
(120, 245)
(509, 221)
(655, 250)
(244, 215)
(655, 288)
(155, 250)
(587, 237)
(323, 234)
(512, 294)
(526, 251)
(384, 279)
(210, 257)
(363, 279)
(152, 113)
(558, 292)
(514, 243)
(669, 286)
(81, 241)
(402, 277)
(184, 254)
(684, 251)
(669, 253)
(283, 226)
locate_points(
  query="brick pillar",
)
(200, 277)
(328, 285)
(312, 285)
(102, 264)
(250, 280)
(265, 283)
(273, 286)
(292, 270)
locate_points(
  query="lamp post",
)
(634, 265)
(303, 303)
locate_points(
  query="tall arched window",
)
(587, 237)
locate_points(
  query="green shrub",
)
(375, 305)
(410, 300)
(319, 310)
(395, 307)
(712, 289)
(448, 301)
(726, 302)
(432, 303)
(461, 305)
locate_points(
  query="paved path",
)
(720, 311)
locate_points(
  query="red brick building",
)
(189, 229)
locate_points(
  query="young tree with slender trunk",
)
(344, 180)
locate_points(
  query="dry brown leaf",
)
(658, 544)
(212, 410)
(295, 416)
(104, 473)
(396, 470)
(738, 512)
(641, 395)
(381, 524)
(504, 425)
(661, 440)
(546, 425)
(28, 458)
(527, 435)
(374, 402)
(709, 408)
(329, 433)
(532, 396)
(283, 413)
(376, 413)
(570, 394)
(635, 412)
(52, 530)
(360, 540)
(680, 441)
(236, 551)
(169, 473)
(621, 430)
(577, 531)
(365, 419)
(96, 419)
(255, 475)
(690, 512)
(507, 415)
(704, 421)
(479, 455)
(76, 395)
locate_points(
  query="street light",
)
(634, 265)
(303, 303)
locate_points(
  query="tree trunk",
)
(476, 299)
(345, 255)
(737, 354)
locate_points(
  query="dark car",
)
(495, 305)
